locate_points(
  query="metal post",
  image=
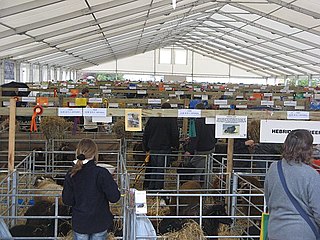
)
(2, 72)
(17, 66)
(234, 198)
(31, 73)
(13, 197)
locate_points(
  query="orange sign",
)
(43, 101)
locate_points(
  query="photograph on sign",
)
(231, 126)
(133, 120)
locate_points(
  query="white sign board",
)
(189, 113)
(276, 131)
(113, 105)
(106, 91)
(228, 126)
(204, 97)
(290, 103)
(210, 120)
(95, 100)
(220, 102)
(102, 119)
(241, 106)
(28, 99)
(298, 115)
(154, 101)
(64, 90)
(141, 91)
(69, 112)
(179, 92)
(23, 89)
(96, 112)
(267, 103)
(140, 198)
(174, 105)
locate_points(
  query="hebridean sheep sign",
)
(276, 131)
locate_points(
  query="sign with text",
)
(298, 115)
(267, 103)
(97, 112)
(276, 131)
(228, 126)
(69, 112)
(95, 100)
(113, 105)
(189, 113)
(220, 102)
(154, 101)
(142, 92)
(290, 103)
(28, 99)
(102, 119)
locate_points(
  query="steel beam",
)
(65, 17)
(23, 7)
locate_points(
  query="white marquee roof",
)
(265, 37)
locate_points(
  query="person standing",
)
(303, 183)
(160, 135)
(201, 145)
(89, 189)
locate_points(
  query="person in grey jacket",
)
(285, 222)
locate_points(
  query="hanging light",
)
(174, 4)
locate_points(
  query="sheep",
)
(27, 231)
(46, 185)
(189, 187)
(210, 226)
(43, 227)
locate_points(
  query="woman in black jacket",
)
(89, 189)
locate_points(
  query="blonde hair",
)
(89, 149)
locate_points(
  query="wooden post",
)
(230, 150)
(229, 165)
(185, 121)
(12, 134)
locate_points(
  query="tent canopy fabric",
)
(265, 37)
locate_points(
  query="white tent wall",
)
(197, 65)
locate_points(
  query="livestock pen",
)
(19, 197)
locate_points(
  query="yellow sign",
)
(80, 102)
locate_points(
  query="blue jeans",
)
(94, 236)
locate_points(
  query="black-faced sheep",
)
(42, 226)
(210, 226)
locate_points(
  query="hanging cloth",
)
(192, 128)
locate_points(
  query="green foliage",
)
(109, 76)
(304, 82)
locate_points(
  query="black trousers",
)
(154, 174)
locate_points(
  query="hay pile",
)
(190, 231)
(225, 230)
(54, 127)
(70, 236)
